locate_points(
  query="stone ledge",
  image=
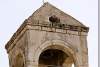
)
(55, 30)
(67, 29)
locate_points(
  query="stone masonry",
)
(49, 38)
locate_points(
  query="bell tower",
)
(49, 38)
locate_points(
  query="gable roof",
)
(42, 15)
(47, 10)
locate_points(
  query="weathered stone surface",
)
(34, 38)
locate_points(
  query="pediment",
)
(47, 10)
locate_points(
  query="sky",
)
(14, 12)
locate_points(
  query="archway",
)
(55, 58)
(59, 45)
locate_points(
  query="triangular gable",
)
(47, 10)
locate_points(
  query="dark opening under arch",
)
(52, 58)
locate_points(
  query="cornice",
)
(53, 27)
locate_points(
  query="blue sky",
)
(14, 12)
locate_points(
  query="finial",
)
(44, 1)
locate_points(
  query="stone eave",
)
(16, 34)
(28, 22)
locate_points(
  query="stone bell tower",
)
(49, 38)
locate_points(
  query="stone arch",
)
(56, 44)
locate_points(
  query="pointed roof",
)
(47, 10)
(42, 16)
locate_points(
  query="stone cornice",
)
(60, 26)
(16, 34)
(46, 25)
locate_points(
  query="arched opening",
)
(55, 58)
